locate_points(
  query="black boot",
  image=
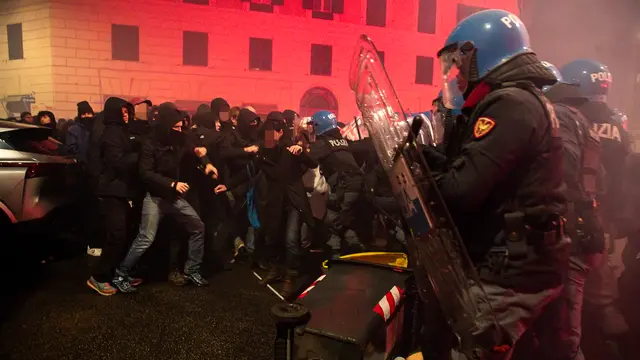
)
(290, 277)
(272, 275)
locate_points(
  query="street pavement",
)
(48, 312)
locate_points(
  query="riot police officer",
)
(505, 189)
(339, 167)
(582, 173)
(601, 289)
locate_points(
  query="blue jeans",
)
(291, 232)
(153, 209)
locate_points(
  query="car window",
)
(32, 140)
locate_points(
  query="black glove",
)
(435, 159)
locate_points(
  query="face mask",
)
(176, 137)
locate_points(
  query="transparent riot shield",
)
(431, 132)
(440, 261)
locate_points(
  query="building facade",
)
(271, 54)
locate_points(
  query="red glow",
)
(81, 43)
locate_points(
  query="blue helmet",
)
(593, 77)
(324, 121)
(555, 72)
(491, 38)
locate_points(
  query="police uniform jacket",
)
(510, 160)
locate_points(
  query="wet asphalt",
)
(48, 312)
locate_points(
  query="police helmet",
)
(593, 77)
(555, 72)
(324, 121)
(479, 44)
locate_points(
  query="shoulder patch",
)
(483, 126)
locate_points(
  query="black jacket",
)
(333, 153)
(163, 154)
(278, 185)
(582, 169)
(615, 149)
(118, 155)
(511, 160)
(231, 147)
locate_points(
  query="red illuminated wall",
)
(83, 69)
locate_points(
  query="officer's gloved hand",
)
(435, 159)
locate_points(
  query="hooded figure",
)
(78, 133)
(162, 158)
(117, 185)
(163, 153)
(248, 123)
(292, 119)
(238, 145)
(48, 120)
(220, 110)
(118, 155)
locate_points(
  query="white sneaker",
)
(94, 251)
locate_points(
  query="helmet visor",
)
(454, 83)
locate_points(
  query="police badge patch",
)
(483, 127)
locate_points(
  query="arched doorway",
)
(316, 99)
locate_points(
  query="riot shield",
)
(440, 260)
(431, 132)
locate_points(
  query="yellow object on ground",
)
(399, 260)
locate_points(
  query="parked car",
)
(35, 176)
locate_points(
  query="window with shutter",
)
(125, 42)
(427, 16)
(321, 59)
(377, 12)
(260, 54)
(14, 39)
(195, 48)
(322, 5)
(424, 70)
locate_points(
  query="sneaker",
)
(102, 288)
(197, 279)
(177, 278)
(134, 281)
(120, 281)
(94, 251)
(238, 248)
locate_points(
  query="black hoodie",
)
(163, 154)
(118, 157)
(53, 125)
(218, 105)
